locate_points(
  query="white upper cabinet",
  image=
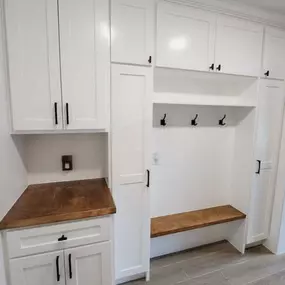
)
(238, 46)
(59, 64)
(274, 54)
(34, 69)
(132, 31)
(185, 37)
(84, 48)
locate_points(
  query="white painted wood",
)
(37, 269)
(273, 55)
(131, 124)
(185, 37)
(34, 72)
(238, 46)
(89, 264)
(85, 57)
(45, 238)
(268, 136)
(132, 31)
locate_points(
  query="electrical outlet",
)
(67, 163)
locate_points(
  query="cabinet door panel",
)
(132, 31)
(34, 70)
(274, 56)
(84, 34)
(239, 46)
(185, 37)
(89, 265)
(38, 269)
(131, 123)
(269, 126)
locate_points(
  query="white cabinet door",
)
(84, 48)
(132, 31)
(238, 46)
(89, 265)
(34, 69)
(274, 55)
(131, 124)
(268, 136)
(185, 37)
(44, 269)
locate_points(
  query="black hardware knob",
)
(219, 67)
(267, 73)
(62, 238)
(150, 59)
(212, 66)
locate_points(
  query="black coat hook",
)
(221, 122)
(163, 121)
(194, 121)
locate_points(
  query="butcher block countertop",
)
(58, 202)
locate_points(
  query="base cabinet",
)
(87, 264)
(38, 269)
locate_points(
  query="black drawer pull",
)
(62, 238)
(259, 167)
(55, 114)
(70, 267)
(57, 269)
(67, 113)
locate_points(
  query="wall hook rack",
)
(163, 121)
(194, 121)
(221, 122)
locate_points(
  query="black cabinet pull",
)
(219, 67)
(57, 269)
(148, 178)
(150, 59)
(259, 167)
(267, 73)
(55, 114)
(70, 267)
(67, 113)
(62, 238)
(212, 67)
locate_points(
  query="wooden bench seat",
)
(171, 224)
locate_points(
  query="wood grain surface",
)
(58, 202)
(171, 224)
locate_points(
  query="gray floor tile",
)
(275, 279)
(189, 254)
(214, 278)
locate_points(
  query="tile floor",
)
(218, 264)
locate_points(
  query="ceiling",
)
(274, 5)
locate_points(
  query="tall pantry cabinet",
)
(131, 113)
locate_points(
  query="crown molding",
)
(240, 10)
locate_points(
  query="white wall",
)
(43, 157)
(13, 178)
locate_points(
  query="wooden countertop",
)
(57, 202)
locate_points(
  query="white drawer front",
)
(45, 238)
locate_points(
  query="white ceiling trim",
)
(237, 9)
